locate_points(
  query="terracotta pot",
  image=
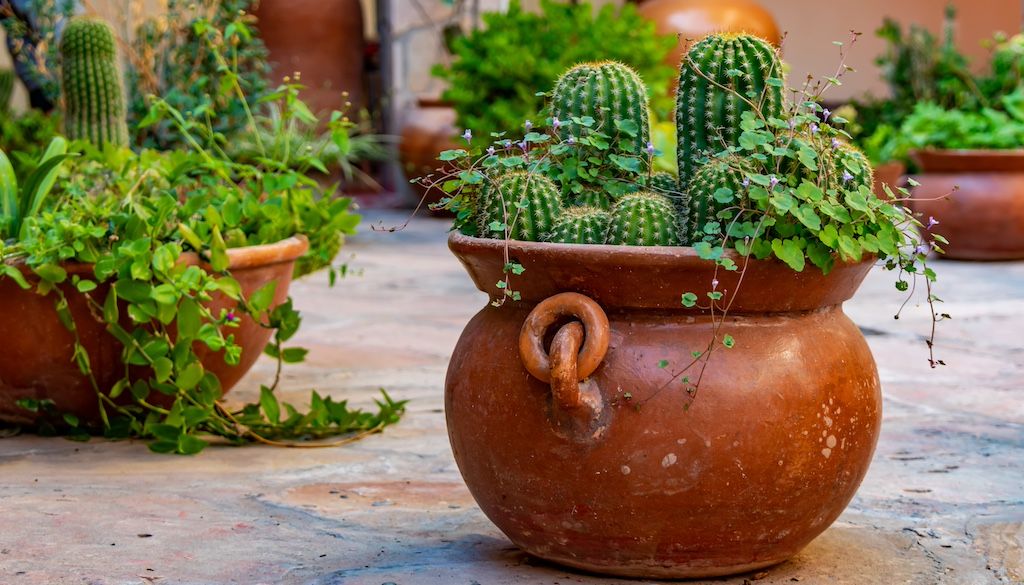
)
(323, 39)
(37, 358)
(605, 468)
(978, 198)
(891, 174)
(692, 20)
(429, 129)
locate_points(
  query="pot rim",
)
(978, 160)
(653, 277)
(282, 251)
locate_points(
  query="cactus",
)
(91, 82)
(580, 225)
(644, 219)
(842, 166)
(717, 173)
(663, 183)
(719, 79)
(526, 203)
(613, 95)
(593, 198)
(6, 89)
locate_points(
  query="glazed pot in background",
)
(37, 360)
(692, 20)
(322, 39)
(429, 129)
(586, 453)
(978, 198)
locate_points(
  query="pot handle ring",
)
(567, 364)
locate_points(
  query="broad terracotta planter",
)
(37, 359)
(978, 198)
(322, 39)
(692, 20)
(604, 468)
(429, 129)
(891, 174)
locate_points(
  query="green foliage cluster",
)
(25, 136)
(136, 218)
(181, 58)
(500, 70)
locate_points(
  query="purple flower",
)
(835, 143)
(230, 317)
(826, 113)
(714, 284)
(792, 123)
(922, 249)
(773, 181)
(746, 181)
(508, 144)
(468, 135)
(522, 145)
(490, 151)
(571, 140)
(932, 222)
(650, 149)
(556, 123)
(814, 128)
(847, 177)
(528, 125)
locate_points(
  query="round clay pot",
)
(692, 20)
(322, 39)
(891, 174)
(612, 467)
(978, 198)
(429, 129)
(37, 361)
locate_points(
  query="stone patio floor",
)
(942, 503)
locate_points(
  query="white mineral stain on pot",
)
(830, 442)
(669, 460)
(826, 452)
(625, 470)
(680, 441)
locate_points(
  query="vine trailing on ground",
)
(802, 196)
(157, 227)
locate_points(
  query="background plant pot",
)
(628, 481)
(692, 20)
(891, 174)
(429, 129)
(37, 361)
(324, 40)
(978, 198)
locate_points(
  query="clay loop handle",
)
(567, 363)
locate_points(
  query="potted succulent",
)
(664, 383)
(138, 287)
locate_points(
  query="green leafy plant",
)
(500, 70)
(157, 229)
(20, 204)
(25, 136)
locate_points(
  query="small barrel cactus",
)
(613, 95)
(6, 89)
(717, 173)
(853, 169)
(644, 219)
(593, 198)
(91, 82)
(719, 79)
(524, 203)
(663, 183)
(581, 225)
(841, 166)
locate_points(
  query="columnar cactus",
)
(721, 77)
(612, 94)
(91, 82)
(715, 174)
(524, 203)
(6, 89)
(644, 219)
(581, 225)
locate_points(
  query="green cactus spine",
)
(6, 89)
(581, 225)
(719, 79)
(613, 95)
(663, 182)
(715, 174)
(644, 219)
(91, 82)
(524, 203)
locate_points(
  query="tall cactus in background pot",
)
(721, 77)
(91, 83)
